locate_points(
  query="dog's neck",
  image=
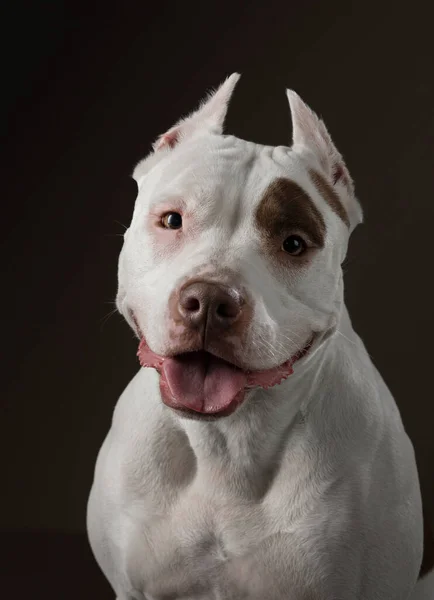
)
(243, 450)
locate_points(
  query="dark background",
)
(85, 92)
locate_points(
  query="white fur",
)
(310, 489)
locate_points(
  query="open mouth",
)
(203, 383)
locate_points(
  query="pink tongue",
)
(202, 382)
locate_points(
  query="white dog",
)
(258, 454)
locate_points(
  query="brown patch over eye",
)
(329, 195)
(286, 209)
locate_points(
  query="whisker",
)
(346, 338)
(107, 317)
(354, 343)
(121, 224)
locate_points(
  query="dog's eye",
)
(294, 245)
(171, 220)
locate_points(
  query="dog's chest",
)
(188, 549)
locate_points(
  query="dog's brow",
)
(285, 207)
(329, 195)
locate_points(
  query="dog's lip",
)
(284, 370)
(248, 380)
(299, 354)
(234, 363)
(211, 351)
(252, 372)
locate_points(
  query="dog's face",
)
(235, 248)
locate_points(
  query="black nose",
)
(212, 304)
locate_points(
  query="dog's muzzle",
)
(208, 322)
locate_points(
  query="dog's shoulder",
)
(355, 382)
(354, 418)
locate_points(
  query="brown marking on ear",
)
(330, 195)
(339, 174)
(286, 208)
(428, 546)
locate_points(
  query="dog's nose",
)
(210, 304)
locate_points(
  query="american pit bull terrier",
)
(257, 454)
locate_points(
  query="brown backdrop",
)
(85, 92)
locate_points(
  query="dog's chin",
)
(200, 384)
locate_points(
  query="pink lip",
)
(265, 379)
(172, 393)
(269, 377)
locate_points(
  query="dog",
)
(257, 454)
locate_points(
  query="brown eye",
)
(172, 220)
(294, 245)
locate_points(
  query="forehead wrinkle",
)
(187, 183)
(211, 167)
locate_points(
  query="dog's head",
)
(231, 267)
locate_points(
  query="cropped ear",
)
(209, 117)
(309, 133)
